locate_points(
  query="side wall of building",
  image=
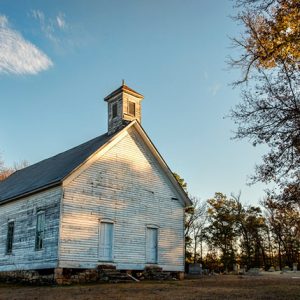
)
(127, 187)
(23, 212)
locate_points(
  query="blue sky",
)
(59, 59)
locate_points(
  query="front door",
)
(106, 241)
(152, 245)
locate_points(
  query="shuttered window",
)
(40, 228)
(114, 110)
(131, 108)
(10, 236)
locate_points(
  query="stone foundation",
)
(43, 277)
(69, 276)
(102, 273)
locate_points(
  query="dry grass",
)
(215, 287)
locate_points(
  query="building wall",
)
(23, 212)
(127, 187)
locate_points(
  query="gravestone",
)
(295, 267)
(253, 272)
(272, 269)
(195, 269)
(236, 268)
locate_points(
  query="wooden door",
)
(106, 241)
(152, 245)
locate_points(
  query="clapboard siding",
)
(23, 212)
(127, 186)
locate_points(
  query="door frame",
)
(152, 226)
(109, 221)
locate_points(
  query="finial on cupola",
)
(124, 106)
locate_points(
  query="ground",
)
(209, 287)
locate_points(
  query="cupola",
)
(124, 106)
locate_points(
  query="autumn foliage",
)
(274, 35)
(269, 112)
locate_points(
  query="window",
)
(40, 227)
(131, 108)
(10, 236)
(114, 110)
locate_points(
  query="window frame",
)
(40, 233)
(114, 110)
(101, 222)
(157, 228)
(10, 237)
(134, 108)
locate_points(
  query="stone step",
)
(113, 275)
(119, 281)
(106, 267)
(156, 273)
(117, 275)
(110, 272)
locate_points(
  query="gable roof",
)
(54, 170)
(48, 172)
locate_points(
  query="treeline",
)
(268, 114)
(6, 171)
(253, 236)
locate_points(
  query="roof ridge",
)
(125, 88)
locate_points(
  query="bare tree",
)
(198, 228)
(7, 171)
(194, 228)
(270, 63)
(284, 223)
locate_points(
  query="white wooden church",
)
(112, 200)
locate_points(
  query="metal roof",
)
(52, 171)
(48, 172)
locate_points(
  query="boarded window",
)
(40, 228)
(10, 237)
(131, 108)
(114, 110)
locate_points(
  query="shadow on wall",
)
(128, 187)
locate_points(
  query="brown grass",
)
(215, 287)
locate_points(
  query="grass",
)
(214, 287)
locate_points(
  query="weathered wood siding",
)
(23, 212)
(122, 101)
(115, 123)
(128, 187)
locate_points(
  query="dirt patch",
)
(214, 287)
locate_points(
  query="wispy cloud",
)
(52, 28)
(17, 55)
(3, 21)
(63, 36)
(38, 15)
(61, 22)
(214, 89)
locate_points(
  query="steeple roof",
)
(124, 88)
